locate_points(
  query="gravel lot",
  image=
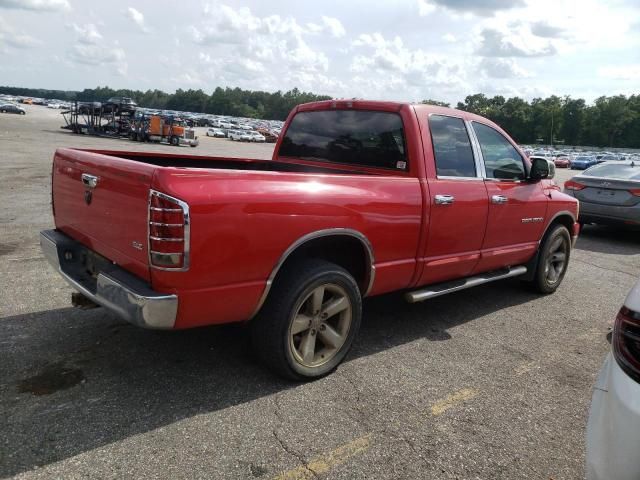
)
(490, 383)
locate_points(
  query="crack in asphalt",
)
(298, 456)
(603, 268)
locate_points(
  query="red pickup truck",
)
(361, 198)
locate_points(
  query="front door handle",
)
(444, 199)
(499, 199)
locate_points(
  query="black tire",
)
(3, 111)
(549, 273)
(175, 141)
(272, 339)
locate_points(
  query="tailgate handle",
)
(89, 181)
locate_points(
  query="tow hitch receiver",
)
(83, 303)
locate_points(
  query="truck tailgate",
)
(111, 218)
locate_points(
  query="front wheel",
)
(309, 321)
(553, 260)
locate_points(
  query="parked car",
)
(215, 132)
(291, 245)
(240, 135)
(11, 108)
(609, 193)
(124, 101)
(562, 161)
(256, 137)
(582, 162)
(613, 429)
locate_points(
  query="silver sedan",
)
(609, 193)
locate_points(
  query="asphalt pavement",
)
(488, 383)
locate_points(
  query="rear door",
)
(102, 201)
(517, 207)
(459, 205)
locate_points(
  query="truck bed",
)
(223, 163)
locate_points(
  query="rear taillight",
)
(169, 229)
(571, 185)
(635, 191)
(626, 342)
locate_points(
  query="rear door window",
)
(359, 137)
(451, 147)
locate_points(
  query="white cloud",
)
(137, 18)
(502, 68)
(513, 42)
(90, 49)
(274, 39)
(87, 34)
(10, 37)
(449, 38)
(36, 5)
(425, 7)
(388, 65)
(484, 8)
(329, 24)
(627, 72)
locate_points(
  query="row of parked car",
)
(581, 160)
(244, 135)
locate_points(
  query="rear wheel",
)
(309, 321)
(553, 260)
(175, 141)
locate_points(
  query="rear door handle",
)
(499, 199)
(444, 199)
(89, 181)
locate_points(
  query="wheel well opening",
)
(565, 220)
(344, 250)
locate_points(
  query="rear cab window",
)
(365, 138)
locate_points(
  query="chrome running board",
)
(438, 289)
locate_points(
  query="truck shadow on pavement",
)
(73, 381)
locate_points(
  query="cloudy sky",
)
(402, 49)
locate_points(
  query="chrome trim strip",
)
(162, 239)
(186, 233)
(158, 209)
(158, 224)
(311, 236)
(165, 254)
(157, 311)
(433, 291)
(477, 152)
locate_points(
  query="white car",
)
(613, 430)
(256, 137)
(239, 135)
(215, 132)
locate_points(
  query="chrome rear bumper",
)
(113, 287)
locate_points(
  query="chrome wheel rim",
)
(320, 326)
(556, 260)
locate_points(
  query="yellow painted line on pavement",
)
(324, 463)
(452, 400)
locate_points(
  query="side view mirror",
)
(541, 169)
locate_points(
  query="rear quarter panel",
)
(242, 222)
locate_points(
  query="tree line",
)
(608, 122)
(222, 101)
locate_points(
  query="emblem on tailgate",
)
(136, 245)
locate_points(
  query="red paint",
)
(243, 220)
